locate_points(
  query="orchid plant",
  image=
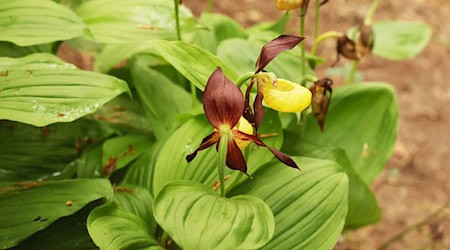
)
(105, 154)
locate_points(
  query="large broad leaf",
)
(362, 119)
(399, 40)
(171, 162)
(112, 228)
(31, 153)
(242, 54)
(217, 27)
(132, 20)
(196, 218)
(309, 206)
(29, 207)
(65, 233)
(40, 89)
(119, 151)
(140, 172)
(363, 208)
(162, 98)
(195, 63)
(25, 22)
(138, 201)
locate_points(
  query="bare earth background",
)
(416, 181)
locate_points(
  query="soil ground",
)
(416, 181)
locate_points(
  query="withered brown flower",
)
(321, 97)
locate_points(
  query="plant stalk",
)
(316, 19)
(351, 75)
(177, 18)
(303, 66)
(222, 160)
(323, 37)
(242, 79)
(369, 16)
(210, 5)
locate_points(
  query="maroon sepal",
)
(258, 108)
(274, 48)
(280, 156)
(248, 112)
(207, 142)
(235, 159)
(222, 101)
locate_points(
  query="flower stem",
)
(210, 5)
(302, 33)
(351, 75)
(303, 66)
(369, 15)
(323, 37)
(243, 78)
(222, 160)
(177, 18)
(316, 19)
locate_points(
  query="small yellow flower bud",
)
(288, 4)
(286, 96)
(244, 126)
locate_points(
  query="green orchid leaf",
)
(157, 91)
(40, 89)
(140, 171)
(25, 22)
(113, 54)
(195, 63)
(29, 207)
(65, 233)
(89, 165)
(365, 128)
(363, 208)
(111, 227)
(171, 160)
(130, 21)
(399, 40)
(242, 54)
(196, 218)
(136, 200)
(217, 28)
(8, 49)
(31, 153)
(118, 152)
(309, 206)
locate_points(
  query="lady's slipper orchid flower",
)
(223, 103)
(279, 94)
(290, 4)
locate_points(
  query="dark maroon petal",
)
(274, 48)
(283, 158)
(259, 111)
(207, 142)
(223, 101)
(235, 159)
(248, 112)
(280, 156)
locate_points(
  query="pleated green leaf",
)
(136, 200)
(140, 171)
(194, 63)
(29, 207)
(400, 40)
(111, 228)
(362, 119)
(68, 233)
(119, 151)
(363, 208)
(31, 153)
(309, 206)
(26, 22)
(196, 218)
(155, 90)
(40, 89)
(132, 20)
